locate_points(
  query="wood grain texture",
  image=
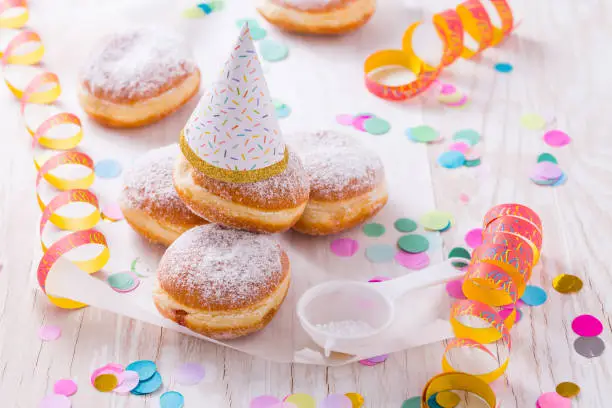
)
(560, 55)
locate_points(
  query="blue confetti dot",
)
(534, 295)
(503, 67)
(432, 403)
(171, 399)
(108, 168)
(149, 386)
(205, 8)
(145, 369)
(560, 181)
(451, 159)
(380, 253)
(283, 111)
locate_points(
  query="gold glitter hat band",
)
(232, 176)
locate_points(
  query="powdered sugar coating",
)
(148, 187)
(137, 64)
(338, 165)
(211, 267)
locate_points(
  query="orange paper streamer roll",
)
(470, 17)
(45, 88)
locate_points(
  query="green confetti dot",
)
(470, 136)
(251, 22)
(258, 33)
(459, 252)
(413, 243)
(273, 51)
(414, 402)
(436, 220)
(376, 126)
(422, 134)
(121, 280)
(547, 157)
(472, 163)
(405, 225)
(459, 265)
(374, 229)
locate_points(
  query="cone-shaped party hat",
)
(233, 134)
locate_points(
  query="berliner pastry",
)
(137, 77)
(347, 182)
(220, 282)
(149, 201)
(235, 169)
(317, 16)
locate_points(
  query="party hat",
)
(233, 134)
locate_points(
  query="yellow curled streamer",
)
(45, 88)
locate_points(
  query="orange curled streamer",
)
(470, 17)
(497, 274)
(45, 88)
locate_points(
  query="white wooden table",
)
(560, 55)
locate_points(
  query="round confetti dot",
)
(560, 181)
(533, 121)
(503, 67)
(473, 238)
(534, 296)
(376, 126)
(566, 283)
(108, 169)
(264, 401)
(55, 401)
(413, 262)
(451, 159)
(251, 22)
(374, 229)
(405, 225)
(454, 289)
(105, 382)
(344, 247)
(283, 111)
(140, 268)
(432, 403)
(464, 198)
(456, 101)
(504, 313)
(123, 281)
(107, 369)
(273, 51)
(49, 332)
(472, 163)
(568, 389)
(356, 399)
(112, 212)
(556, 138)
(258, 33)
(553, 400)
(436, 220)
(148, 386)
(284, 405)
(414, 402)
(359, 121)
(65, 387)
(460, 147)
(207, 9)
(379, 279)
(189, 373)
(547, 157)
(587, 325)
(345, 119)
(589, 347)
(469, 136)
(302, 400)
(374, 360)
(128, 380)
(145, 369)
(336, 401)
(447, 399)
(422, 134)
(171, 399)
(380, 253)
(413, 243)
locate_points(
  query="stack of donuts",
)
(215, 198)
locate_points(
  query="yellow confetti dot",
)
(568, 389)
(302, 400)
(356, 399)
(533, 121)
(447, 399)
(566, 283)
(105, 382)
(436, 220)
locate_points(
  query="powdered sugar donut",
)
(149, 201)
(137, 77)
(220, 282)
(347, 182)
(317, 16)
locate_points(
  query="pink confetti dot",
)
(460, 102)
(556, 138)
(412, 261)
(344, 247)
(459, 147)
(546, 171)
(49, 333)
(455, 290)
(55, 401)
(379, 279)
(359, 122)
(587, 325)
(284, 405)
(447, 89)
(264, 401)
(473, 238)
(464, 198)
(372, 361)
(112, 211)
(345, 119)
(553, 400)
(336, 401)
(110, 368)
(65, 387)
(127, 381)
